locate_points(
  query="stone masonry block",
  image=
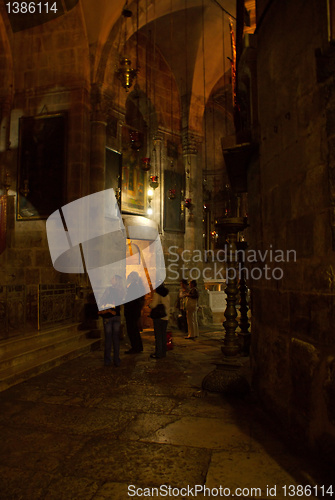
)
(330, 121)
(50, 275)
(325, 63)
(322, 316)
(281, 362)
(329, 389)
(304, 195)
(19, 257)
(42, 258)
(275, 307)
(32, 276)
(300, 314)
(317, 276)
(300, 235)
(293, 275)
(29, 239)
(304, 360)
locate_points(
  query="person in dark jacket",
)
(132, 311)
(192, 311)
(161, 296)
(182, 319)
(111, 315)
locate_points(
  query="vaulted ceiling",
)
(192, 35)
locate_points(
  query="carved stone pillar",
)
(193, 192)
(98, 154)
(158, 198)
(193, 213)
(244, 335)
(98, 143)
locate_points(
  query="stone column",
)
(98, 152)
(158, 198)
(193, 191)
(100, 105)
(194, 219)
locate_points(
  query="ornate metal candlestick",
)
(230, 345)
(244, 335)
(227, 377)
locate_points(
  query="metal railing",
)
(12, 309)
(56, 304)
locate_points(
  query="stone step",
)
(22, 343)
(21, 359)
(19, 352)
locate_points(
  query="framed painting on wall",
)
(114, 172)
(3, 222)
(174, 188)
(41, 177)
(134, 179)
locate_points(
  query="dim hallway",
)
(83, 431)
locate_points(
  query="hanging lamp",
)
(172, 191)
(125, 73)
(146, 162)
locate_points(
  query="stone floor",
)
(82, 431)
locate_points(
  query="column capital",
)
(158, 137)
(190, 142)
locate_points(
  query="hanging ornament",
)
(135, 140)
(125, 73)
(172, 194)
(153, 181)
(189, 204)
(214, 236)
(145, 164)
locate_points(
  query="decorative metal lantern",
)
(188, 203)
(145, 164)
(153, 181)
(136, 140)
(172, 194)
(125, 73)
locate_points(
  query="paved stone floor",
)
(82, 431)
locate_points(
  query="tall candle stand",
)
(244, 335)
(228, 377)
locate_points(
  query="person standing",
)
(111, 316)
(161, 296)
(182, 296)
(192, 311)
(132, 311)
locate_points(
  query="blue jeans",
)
(160, 327)
(112, 337)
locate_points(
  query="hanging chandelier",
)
(145, 164)
(125, 73)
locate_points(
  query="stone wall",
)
(51, 74)
(293, 349)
